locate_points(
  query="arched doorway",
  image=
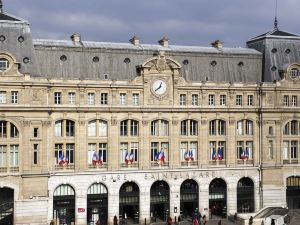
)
(129, 205)
(218, 197)
(97, 204)
(159, 201)
(245, 196)
(64, 205)
(293, 192)
(6, 206)
(189, 197)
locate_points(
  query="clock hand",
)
(160, 85)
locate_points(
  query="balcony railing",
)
(132, 165)
(189, 163)
(159, 165)
(14, 169)
(64, 167)
(98, 167)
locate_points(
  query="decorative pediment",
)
(161, 64)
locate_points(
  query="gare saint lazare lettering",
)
(159, 176)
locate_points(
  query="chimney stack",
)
(217, 44)
(135, 40)
(164, 42)
(1, 6)
(76, 37)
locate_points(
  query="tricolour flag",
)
(131, 156)
(243, 154)
(161, 156)
(61, 159)
(220, 153)
(95, 158)
(214, 154)
(66, 160)
(186, 156)
(127, 161)
(247, 154)
(191, 155)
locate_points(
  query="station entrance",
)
(293, 192)
(218, 197)
(6, 206)
(189, 198)
(159, 201)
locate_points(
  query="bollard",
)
(145, 221)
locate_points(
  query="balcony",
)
(155, 164)
(133, 165)
(189, 163)
(14, 169)
(98, 167)
(217, 162)
(64, 168)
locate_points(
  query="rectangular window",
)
(240, 149)
(285, 100)
(182, 99)
(193, 150)
(271, 149)
(294, 100)
(164, 128)
(123, 152)
(72, 98)
(212, 150)
(211, 100)
(123, 99)
(134, 128)
(57, 98)
(35, 132)
(134, 149)
(221, 153)
(154, 128)
(91, 150)
(14, 97)
(239, 100)
(249, 127)
(4, 64)
(193, 127)
(35, 153)
(222, 127)
(124, 128)
(14, 155)
(136, 99)
(70, 148)
(212, 127)
(91, 98)
(70, 128)
(249, 149)
(294, 147)
(285, 150)
(58, 128)
(250, 100)
(195, 99)
(184, 151)
(223, 100)
(239, 127)
(103, 151)
(92, 129)
(102, 128)
(184, 127)
(104, 98)
(3, 155)
(3, 129)
(58, 152)
(2, 97)
(154, 151)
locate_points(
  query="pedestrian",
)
(125, 218)
(169, 220)
(195, 221)
(204, 219)
(251, 220)
(98, 222)
(220, 222)
(115, 220)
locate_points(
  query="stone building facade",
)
(90, 130)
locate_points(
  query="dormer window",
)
(294, 73)
(4, 64)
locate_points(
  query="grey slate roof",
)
(79, 63)
(45, 57)
(280, 49)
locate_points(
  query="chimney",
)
(217, 44)
(76, 37)
(1, 6)
(135, 40)
(164, 42)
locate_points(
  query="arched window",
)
(244, 127)
(129, 128)
(217, 127)
(189, 127)
(9, 145)
(245, 195)
(160, 128)
(97, 125)
(64, 128)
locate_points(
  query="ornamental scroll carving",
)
(145, 122)
(114, 122)
(81, 122)
(26, 123)
(46, 123)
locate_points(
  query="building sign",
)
(81, 210)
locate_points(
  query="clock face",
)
(159, 87)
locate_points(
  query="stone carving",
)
(46, 123)
(81, 122)
(161, 62)
(26, 123)
(114, 122)
(145, 122)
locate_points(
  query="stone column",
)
(113, 205)
(230, 143)
(81, 210)
(174, 152)
(144, 155)
(113, 152)
(175, 201)
(231, 198)
(145, 205)
(81, 146)
(204, 199)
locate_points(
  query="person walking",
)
(169, 220)
(204, 219)
(220, 222)
(115, 220)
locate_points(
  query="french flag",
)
(243, 154)
(191, 155)
(61, 159)
(161, 156)
(186, 156)
(247, 154)
(100, 161)
(95, 158)
(214, 154)
(131, 156)
(156, 157)
(127, 161)
(220, 153)
(66, 160)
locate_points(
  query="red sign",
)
(81, 210)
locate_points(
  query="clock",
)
(159, 87)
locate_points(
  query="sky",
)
(184, 22)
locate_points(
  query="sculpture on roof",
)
(1, 6)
